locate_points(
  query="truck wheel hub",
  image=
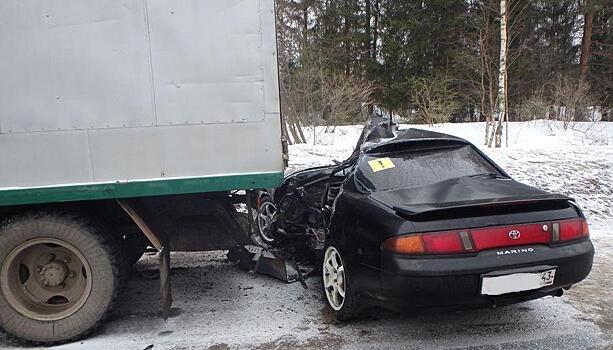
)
(54, 273)
(45, 279)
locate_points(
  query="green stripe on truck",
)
(144, 188)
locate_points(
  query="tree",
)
(435, 99)
(480, 63)
(586, 44)
(395, 45)
(501, 113)
(600, 74)
(418, 39)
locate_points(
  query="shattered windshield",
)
(422, 167)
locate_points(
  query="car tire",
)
(266, 229)
(76, 263)
(340, 293)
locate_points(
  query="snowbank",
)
(577, 162)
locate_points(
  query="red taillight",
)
(444, 242)
(427, 243)
(573, 229)
(586, 229)
(460, 241)
(507, 236)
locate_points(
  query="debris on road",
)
(281, 263)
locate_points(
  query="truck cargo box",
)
(112, 99)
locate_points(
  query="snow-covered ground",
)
(220, 307)
(577, 162)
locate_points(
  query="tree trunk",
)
(502, 75)
(375, 38)
(368, 28)
(295, 139)
(506, 109)
(587, 40)
(305, 26)
(285, 131)
(484, 109)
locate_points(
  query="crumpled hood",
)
(461, 193)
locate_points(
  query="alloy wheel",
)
(334, 278)
(266, 219)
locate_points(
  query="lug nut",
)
(72, 274)
(51, 257)
(67, 260)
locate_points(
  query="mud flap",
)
(268, 262)
(165, 290)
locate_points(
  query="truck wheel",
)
(59, 276)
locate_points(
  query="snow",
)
(577, 161)
(535, 134)
(532, 134)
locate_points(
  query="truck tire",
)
(59, 276)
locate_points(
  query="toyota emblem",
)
(515, 234)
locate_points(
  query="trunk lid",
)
(466, 197)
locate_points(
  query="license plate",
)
(517, 282)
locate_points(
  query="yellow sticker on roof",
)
(381, 164)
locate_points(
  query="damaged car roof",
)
(411, 136)
(381, 134)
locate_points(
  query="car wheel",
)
(338, 288)
(266, 220)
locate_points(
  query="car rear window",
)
(420, 167)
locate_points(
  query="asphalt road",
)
(218, 306)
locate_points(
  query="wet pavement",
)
(218, 306)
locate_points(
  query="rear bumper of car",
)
(405, 281)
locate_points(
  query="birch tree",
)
(501, 111)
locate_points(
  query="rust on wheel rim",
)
(45, 279)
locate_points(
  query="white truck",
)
(126, 124)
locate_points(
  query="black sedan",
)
(417, 218)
